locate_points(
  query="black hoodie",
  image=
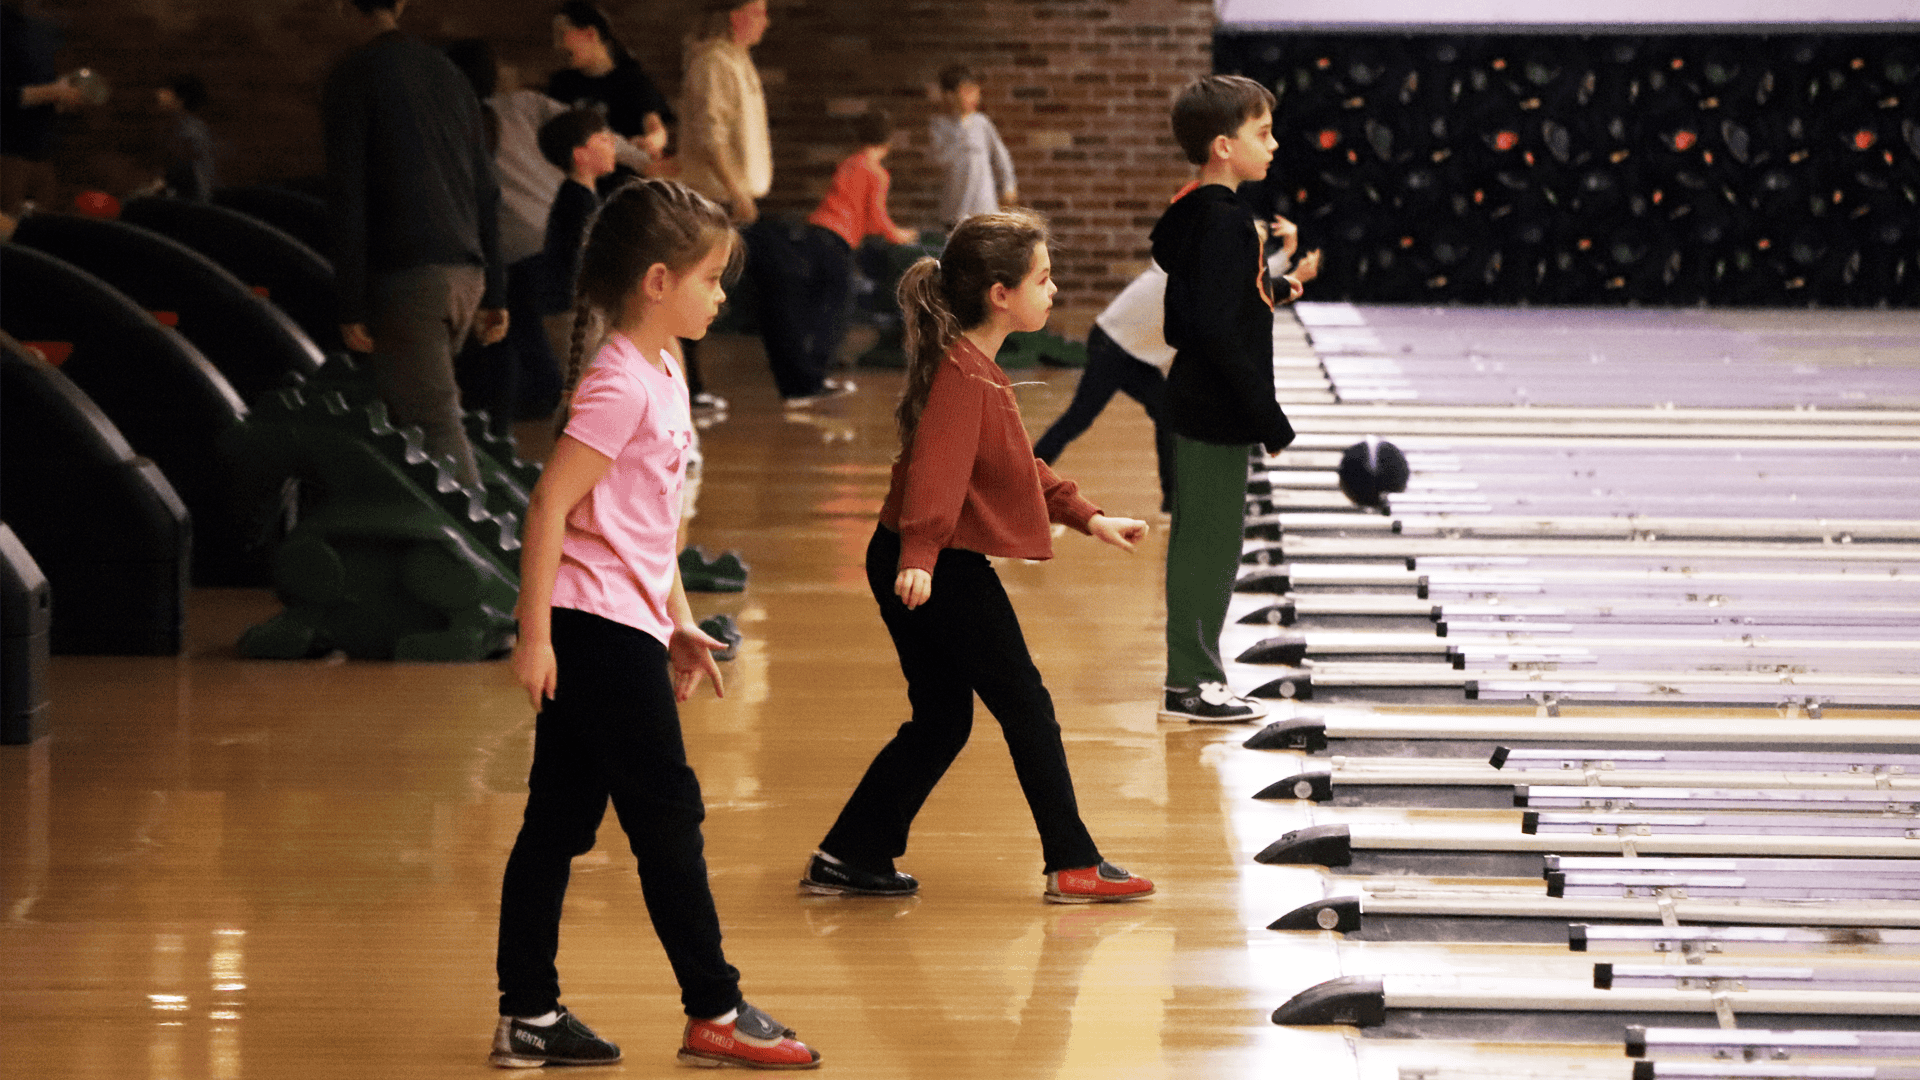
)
(1219, 319)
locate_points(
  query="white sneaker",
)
(1210, 703)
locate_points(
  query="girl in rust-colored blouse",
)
(965, 486)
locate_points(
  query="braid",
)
(576, 363)
(642, 223)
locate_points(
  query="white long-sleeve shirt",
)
(723, 123)
(976, 164)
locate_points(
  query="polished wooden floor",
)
(222, 868)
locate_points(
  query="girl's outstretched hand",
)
(1308, 267)
(1122, 533)
(913, 587)
(535, 669)
(690, 656)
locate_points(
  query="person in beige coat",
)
(725, 150)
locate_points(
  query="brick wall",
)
(1078, 88)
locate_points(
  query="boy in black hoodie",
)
(1220, 399)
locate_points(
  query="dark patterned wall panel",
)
(1670, 170)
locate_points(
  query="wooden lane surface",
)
(232, 869)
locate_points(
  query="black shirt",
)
(411, 182)
(573, 208)
(29, 44)
(1219, 320)
(625, 94)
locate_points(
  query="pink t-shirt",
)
(618, 557)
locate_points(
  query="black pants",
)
(537, 377)
(690, 352)
(1111, 368)
(802, 280)
(965, 640)
(517, 377)
(611, 731)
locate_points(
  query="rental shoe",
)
(520, 1045)
(725, 574)
(829, 389)
(1103, 884)
(1210, 703)
(722, 628)
(753, 1040)
(839, 879)
(728, 564)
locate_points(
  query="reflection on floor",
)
(228, 869)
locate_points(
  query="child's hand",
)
(356, 337)
(490, 325)
(1287, 233)
(913, 587)
(1308, 268)
(1294, 289)
(690, 656)
(904, 236)
(743, 210)
(653, 143)
(1122, 533)
(1010, 197)
(535, 669)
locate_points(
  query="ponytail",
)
(930, 330)
(941, 297)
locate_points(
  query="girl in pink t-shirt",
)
(608, 646)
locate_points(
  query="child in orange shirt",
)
(803, 277)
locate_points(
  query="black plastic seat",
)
(285, 270)
(26, 611)
(296, 213)
(253, 343)
(104, 525)
(160, 392)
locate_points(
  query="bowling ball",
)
(97, 204)
(1372, 469)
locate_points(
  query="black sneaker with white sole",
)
(1210, 703)
(520, 1045)
(829, 389)
(839, 879)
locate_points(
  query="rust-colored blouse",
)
(971, 480)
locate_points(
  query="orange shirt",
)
(971, 481)
(855, 205)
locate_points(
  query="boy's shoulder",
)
(1208, 208)
(573, 204)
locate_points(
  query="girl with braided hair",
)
(965, 486)
(608, 645)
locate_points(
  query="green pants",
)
(1203, 555)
